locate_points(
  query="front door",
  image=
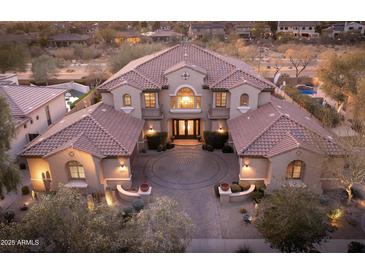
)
(186, 128)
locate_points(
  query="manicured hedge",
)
(154, 140)
(215, 139)
(326, 114)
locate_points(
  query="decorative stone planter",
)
(145, 195)
(224, 186)
(224, 194)
(144, 187)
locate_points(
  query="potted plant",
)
(224, 186)
(144, 187)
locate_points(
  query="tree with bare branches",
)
(352, 169)
(300, 58)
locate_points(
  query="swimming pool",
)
(306, 90)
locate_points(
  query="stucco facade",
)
(37, 123)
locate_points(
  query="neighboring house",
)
(245, 29)
(9, 79)
(130, 37)
(33, 110)
(306, 29)
(67, 39)
(200, 30)
(338, 29)
(183, 90)
(165, 36)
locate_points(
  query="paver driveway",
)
(187, 174)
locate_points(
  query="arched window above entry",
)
(127, 100)
(185, 98)
(295, 170)
(76, 170)
(244, 100)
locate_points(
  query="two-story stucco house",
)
(183, 90)
(33, 110)
(306, 29)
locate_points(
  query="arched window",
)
(127, 100)
(244, 100)
(76, 170)
(187, 99)
(295, 170)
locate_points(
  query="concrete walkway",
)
(258, 245)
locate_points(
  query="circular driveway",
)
(186, 168)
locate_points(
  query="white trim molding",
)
(127, 109)
(185, 110)
(243, 109)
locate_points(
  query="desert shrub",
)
(9, 216)
(356, 247)
(138, 204)
(86, 53)
(357, 125)
(159, 148)
(127, 211)
(243, 210)
(324, 199)
(204, 146)
(143, 150)
(326, 114)
(215, 139)
(258, 194)
(227, 149)
(216, 190)
(25, 190)
(244, 186)
(64, 53)
(128, 53)
(170, 146)
(244, 249)
(210, 148)
(164, 148)
(155, 139)
(235, 188)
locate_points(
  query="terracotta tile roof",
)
(25, 99)
(277, 127)
(99, 130)
(153, 68)
(184, 64)
(237, 78)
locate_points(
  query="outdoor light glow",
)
(109, 198)
(122, 165)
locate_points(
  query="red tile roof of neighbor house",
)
(99, 130)
(222, 72)
(23, 100)
(277, 127)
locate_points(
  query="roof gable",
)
(25, 99)
(278, 127)
(153, 68)
(99, 130)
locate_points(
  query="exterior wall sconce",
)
(122, 165)
(220, 129)
(245, 165)
(151, 128)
